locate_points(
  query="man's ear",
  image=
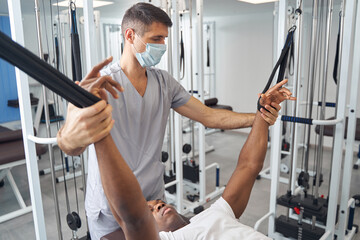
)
(129, 35)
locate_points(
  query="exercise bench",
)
(13, 154)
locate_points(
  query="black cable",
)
(282, 62)
(60, 35)
(182, 55)
(208, 53)
(44, 73)
(57, 53)
(182, 50)
(75, 45)
(336, 61)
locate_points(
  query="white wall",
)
(243, 58)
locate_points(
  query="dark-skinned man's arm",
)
(252, 155)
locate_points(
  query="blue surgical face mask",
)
(152, 54)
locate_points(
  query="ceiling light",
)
(80, 3)
(257, 1)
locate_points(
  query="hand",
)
(88, 125)
(271, 100)
(276, 94)
(271, 114)
(97, 85)
(84, 126)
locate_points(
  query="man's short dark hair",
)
(141, 15)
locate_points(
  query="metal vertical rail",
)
(276, 131)
(191, 73)
(296, 89)
(339, 64)
(17, 34)
(177, 118)
(345, 189)
(171, 115)
(339, 129)
(323, 99)
(89, 35)
(91, 59)
(200, 67)
(311, 77)
(48, 130)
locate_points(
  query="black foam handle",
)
(296, 119)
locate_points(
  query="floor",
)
(227, 146)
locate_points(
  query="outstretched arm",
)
(223, 119)
(252, 155)
(124, 193)
(216, 118)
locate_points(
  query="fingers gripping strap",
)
(282, 63)
(44, 73)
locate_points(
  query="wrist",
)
(66, 146)
(261, 118)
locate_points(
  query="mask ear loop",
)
(140, 38)
(140, 41)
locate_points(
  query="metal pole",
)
(17, 34)
(346, 181)
(48, 130)
(323, 99)
(349, 18)
(89, 35)
(177, 117)
(276, 131)
(296, 87)
(342, 9)
(191, 75)
(200, 53)
(171, 115)
(311, 77)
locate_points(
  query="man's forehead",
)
(157, 29)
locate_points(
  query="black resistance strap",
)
(282, 62)
(57, 53)
(336, 61)
(44, 73)
(207, 53)
(75, 46)
(182, 55)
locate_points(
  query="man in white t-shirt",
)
(155, 219)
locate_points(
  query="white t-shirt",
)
(138, 132)
(215, 223)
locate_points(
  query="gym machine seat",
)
(212, 103)
(13, 154)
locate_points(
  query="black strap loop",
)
(282, 62)
(75, 46)
(336, 60)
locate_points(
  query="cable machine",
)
(72, 218)
(308, 214)
(188, 174)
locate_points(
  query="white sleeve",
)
(224, 205)
(166, 236)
